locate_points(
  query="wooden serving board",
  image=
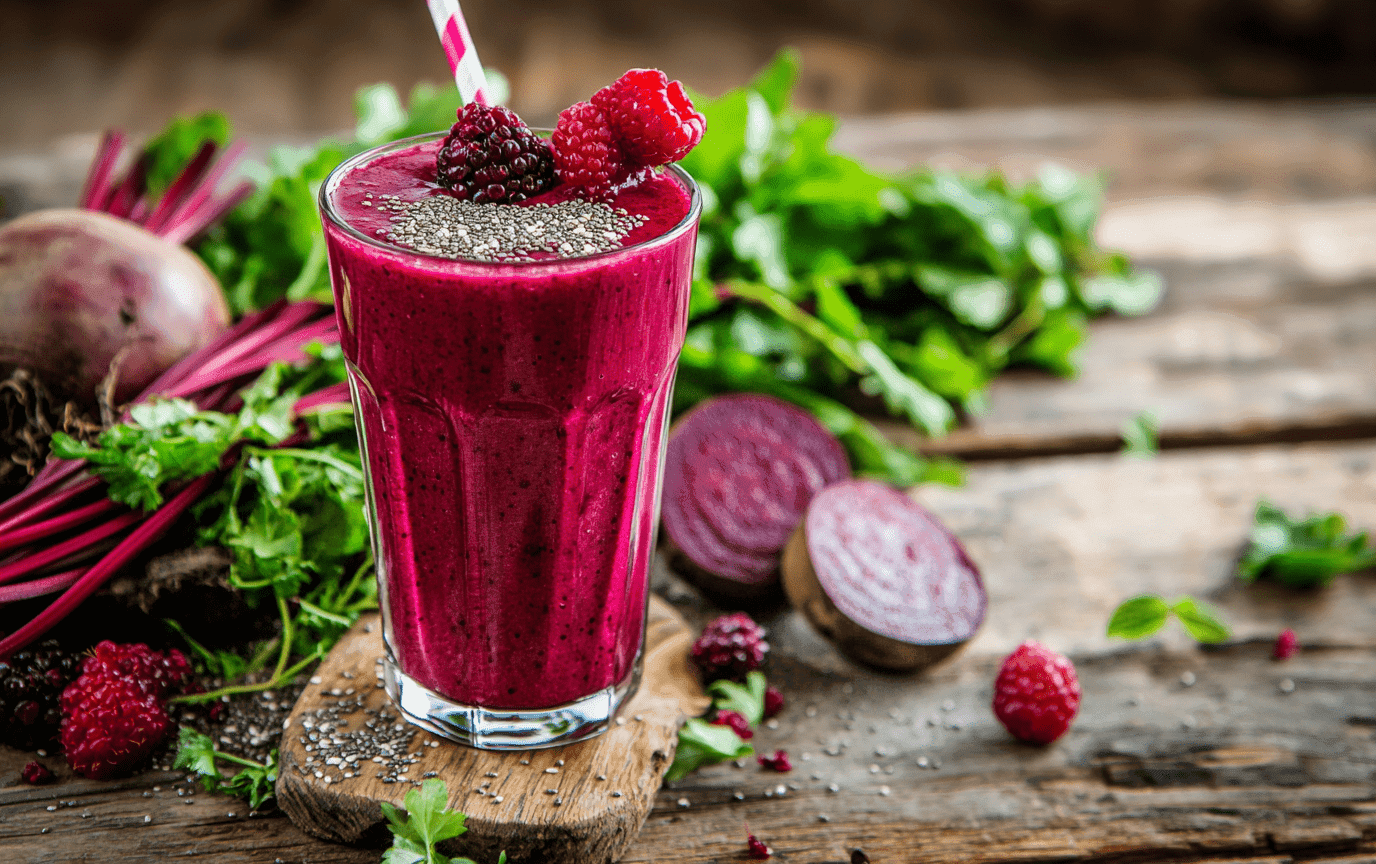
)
(505, 795)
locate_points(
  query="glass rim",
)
(337, 174)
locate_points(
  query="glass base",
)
(507, 729)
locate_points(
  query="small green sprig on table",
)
(254, 781)
(1143, 615)
(427, 823)
(1303, 552)
(702, 743)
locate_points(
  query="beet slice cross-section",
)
(739, 473)
(881, 577)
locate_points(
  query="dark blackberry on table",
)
(31, 684)
(491, 157)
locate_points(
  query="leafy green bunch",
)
(827, 284)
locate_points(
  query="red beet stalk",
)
(188, 206)
(57, 500)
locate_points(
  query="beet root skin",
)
(882, 578)
(740, 471)
(79, 288)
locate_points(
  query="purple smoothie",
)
(513, 417)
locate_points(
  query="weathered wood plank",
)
(507, 796)
(1229, 768)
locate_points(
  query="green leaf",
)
(427, 823)
(745, 699)
(173, 148)
(1202, 622)
(1138, 617)
(702, 743)
(1127, 295)
(1140, 436)
(1302, 552)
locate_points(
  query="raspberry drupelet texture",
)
(31, 684)
(585, 151)
(652, 118)
(1036, 694)
(729, 647)
(113, 715)
(491, 156)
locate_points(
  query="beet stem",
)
(39, 587)
(187, 365)
(208, 215)
(57, 552)
(182, 223)
(138, 540)
(56, 524)
(127, 194)
(286, 349)
(57, 470)
(335, 394)
(290, 318)
(96, 190)
(181, 187)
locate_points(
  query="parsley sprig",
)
(254, 781)
(427, 823)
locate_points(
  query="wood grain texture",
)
(605, 786)
(1229, 769)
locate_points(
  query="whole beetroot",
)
(80, 290)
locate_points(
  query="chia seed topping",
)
(449, 228)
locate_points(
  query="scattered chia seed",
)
(449, 228)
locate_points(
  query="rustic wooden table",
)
(1261, 364)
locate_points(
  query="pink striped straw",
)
(459, 50)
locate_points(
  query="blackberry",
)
(729, 647)
(31, 685)
(491, 157)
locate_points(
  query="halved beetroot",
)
(882, 578)
(738, 475)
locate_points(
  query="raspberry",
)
(773, 701)
(730, 646)
(31, 684)
(490, 156)
(1036, 694)
(755, 846)
(113, 714)
(778, 762)
(736, 721)
(36, 774)
(585, 150)
(652, 117)
(1286, 645)
(154, 672)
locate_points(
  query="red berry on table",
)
(729, 647)
(755, 846)
(491, 156)
(778, 762)
(736, 721)
(1286, 645)
(585, 150)
(1036, 694)
(653, 118)
(773, 701)
(36, 773)
(113, 715)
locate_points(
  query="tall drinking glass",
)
(512, 419)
